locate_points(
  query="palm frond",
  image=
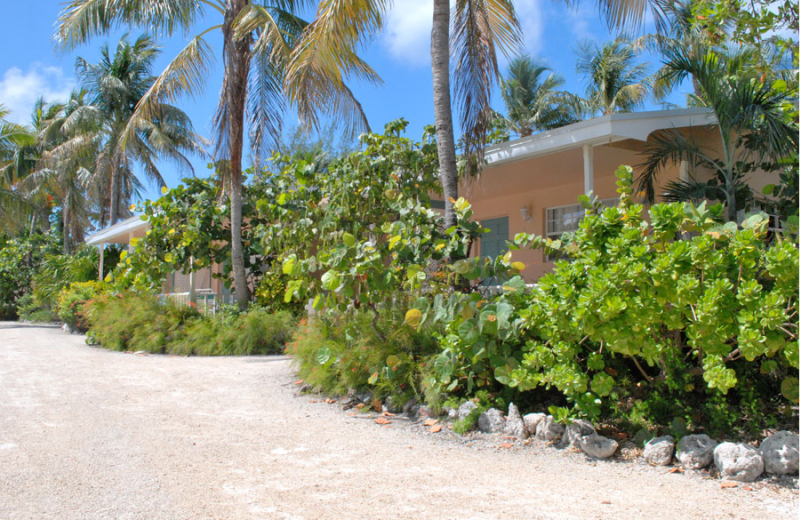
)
(479, 29)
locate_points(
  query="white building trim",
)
(598, 131)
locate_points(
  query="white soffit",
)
(596, 131)
(119, 232)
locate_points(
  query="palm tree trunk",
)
(65, 218)
(237, 63)
(115, 196)
(442, 110)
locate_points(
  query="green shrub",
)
(133, 322)
(19, 260)
(255, 332)
(72, 300)
(29, 310)
(359, 351)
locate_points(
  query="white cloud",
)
(531, 17)
(19, 90)
(407, 33)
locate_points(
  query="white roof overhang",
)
(119, 233)
(600, 130)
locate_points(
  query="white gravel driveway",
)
(87, 434)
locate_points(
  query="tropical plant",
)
(531, 99)
(20, 258)
(755, 128)
(616, 83)
(13, 139)
(116, 85)
(257, 46)
(68, 142)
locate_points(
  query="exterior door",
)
(493, 243)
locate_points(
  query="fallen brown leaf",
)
(436, 428)
(728, 485)
(506, 445)
(383, 420)
(299, 382)
(330, 401)
(360, 406)
(352, 414)
(430, 422)
(376, 405)
(747, 488)
(605, 502)
(676, 470)
(388, 414)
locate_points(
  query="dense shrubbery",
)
(29, 310)
(134, 322)
(19, 260)
(72, 303)
(679, 317)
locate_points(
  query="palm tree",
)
(15, 143)
(116, 84)
(752, 124)
(68, 142)
(257, 42)
(616, 83)
(531, 99)
(479, 29)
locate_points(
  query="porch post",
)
(191, 280)
(588, 168)
(102, 248)
(684, 171)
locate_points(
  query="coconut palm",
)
(532, 100)
(616, 83)
(470, 35)
(257, 43)
(68, 141)
(15, 141)
(752, 124)
(116, 84)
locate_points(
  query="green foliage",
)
(133, 321)
(336, 353)
(255, 332)
(636, 308)
(189, 229)
(362, 229)
(72, 302)
(58, 271)
(271, 291)
(19, 260)
(29, 310)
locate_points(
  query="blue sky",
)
(30, 66)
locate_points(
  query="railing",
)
(205, 300)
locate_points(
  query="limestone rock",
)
(408, 408)
(696, 451)
(491, 421)
(575, 430)
(465, 408)
(532, 420)
(658, 452)
(514, 423)
(780, 453)
(549, 430)
(598, 446)
(740, 462)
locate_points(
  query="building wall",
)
(556, 180)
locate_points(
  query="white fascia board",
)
(119, 232)
(596, 131)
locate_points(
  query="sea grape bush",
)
(678, 300)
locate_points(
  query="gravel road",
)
(88, 434)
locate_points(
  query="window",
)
(565, 219)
